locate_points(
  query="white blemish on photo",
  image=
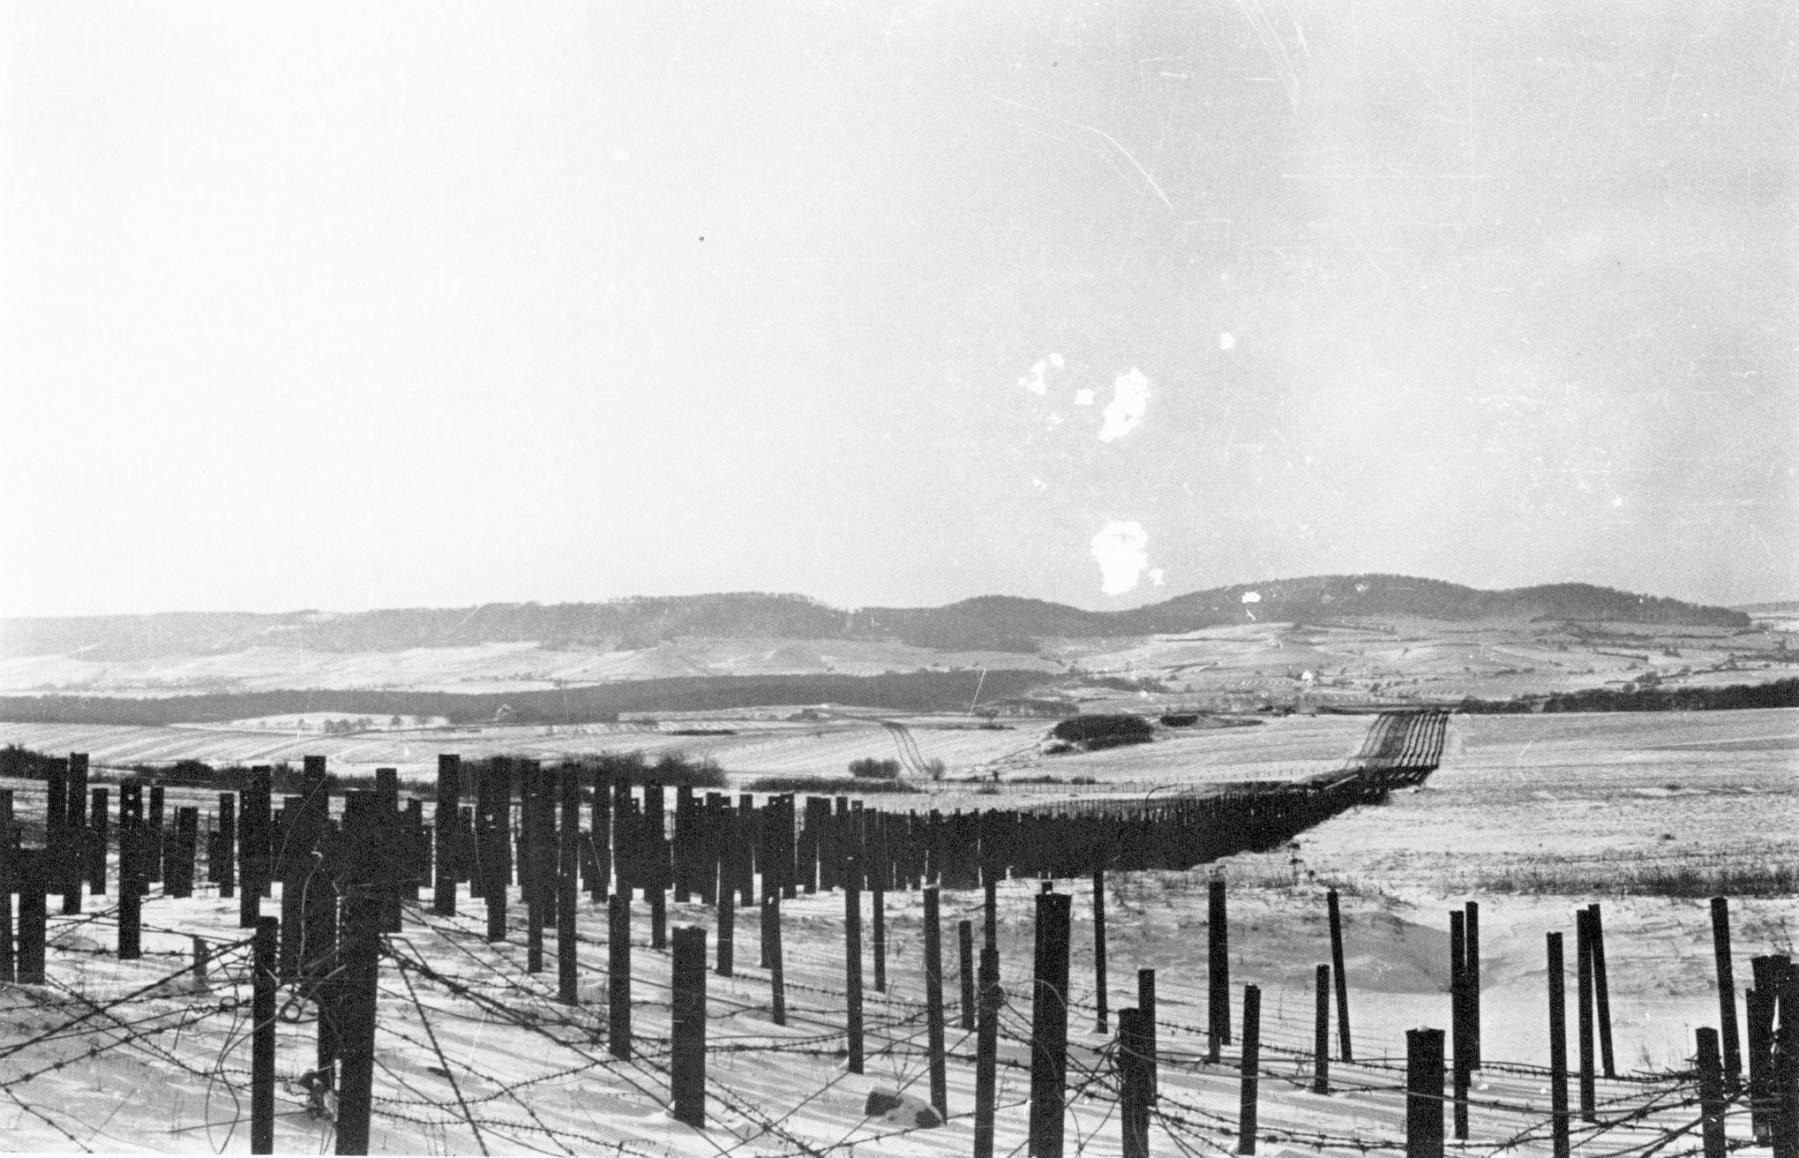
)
(1083, 397)
(1130, 398)
(1121, 549)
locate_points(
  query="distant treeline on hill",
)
(1779, 694)
(923, 691)
(988, 622)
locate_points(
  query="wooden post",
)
(357, 1008)
(131, 884)
(878, 910)
(97, 826)
(1558, 1050)
(9, 969)
(1458, 1023)
(262, 1035)
(852, 972)
(1321, 1033)
(1712, 1103)
(1424, 1093)
(990, 912)
(1101, 1022)
(618, 975)
(1471, 982)
(1146, 1005)
(771, 947)
(443, 823)
(1601, 990)
(965, 970)
(1759, 1006)
(1218, 995)
(659, 910)
(1250, 1069)
(493, 823)
(252, 846)
(1341, 976)
(71, 858)
(1785, 1110)
(226, 868)
(1049, 1026)
(1583, 933)
(933, 999)
(986, 1053)
(727, 931)
(533, 794)
(31, 873)
(1134, 1082)
(687, 1060)
(568, 888)
(1727, 994)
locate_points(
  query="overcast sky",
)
(351, 306)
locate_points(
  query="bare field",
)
(1593, 793)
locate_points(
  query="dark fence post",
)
(1727, 993)
(1321, 1033)
(1785, 1117)
(687, 1061)
(1250, 1069)
(223, 869)
(1458, 1023)
(365, 885)
(1583, 934)
(96, 848)
(262, 1035)
(252, 843)
(986, 1053)
(1101, 1023)
(965, 970)
(771, 949)
(31, 872)
(1218, 996)
(1049, 1025)
(878, 912)
(1558, 1050)
(1134, 1082)
(443, 822)
(933, 990)
(1471, 982)
(852, 971)
(1711, 1093)
(618, 975)
(1424, 1093)
(131, 880)
(71, 857)
(1601, 990)
(727, 931)
(568, 885)
(1146, 1005)
(1341, 975)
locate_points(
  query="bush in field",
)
(869, 768)
(1103, 731)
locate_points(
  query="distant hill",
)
(992, 622)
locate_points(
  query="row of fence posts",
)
(342, 884)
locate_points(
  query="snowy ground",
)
(476, 1056)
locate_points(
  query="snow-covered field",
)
(475, 1055)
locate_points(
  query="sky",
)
(345, 306)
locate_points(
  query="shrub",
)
(1103, 730)
(869, 768)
